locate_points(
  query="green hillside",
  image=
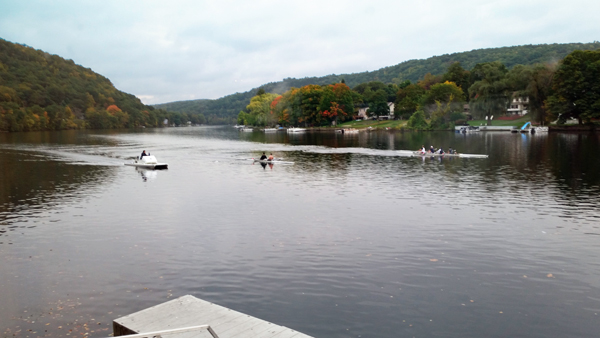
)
(41, 91)
(228, 107)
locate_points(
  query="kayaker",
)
(263, 157)
(143, 154)
(270, 157)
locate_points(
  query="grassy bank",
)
(517, 123)
(392, 124)
(398, 124)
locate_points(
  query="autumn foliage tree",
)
(40, 91)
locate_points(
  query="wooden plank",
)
(250, 329)
(174, 314)
(189, 311)
(272, 332)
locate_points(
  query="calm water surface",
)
(354, 240)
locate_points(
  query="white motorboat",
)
(348, 131)
(296, 130)
(270, 130)
(539, 130)
(147, 162)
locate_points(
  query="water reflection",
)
(33, 182)
(147, 174)
(456, 247)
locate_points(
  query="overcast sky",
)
(172, 50)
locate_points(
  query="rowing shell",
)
(273, 161)
(420, 154)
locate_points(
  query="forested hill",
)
(41, 91)
(228, 107)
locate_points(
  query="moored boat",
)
(539, 130)
(147, 162)
(296, 130)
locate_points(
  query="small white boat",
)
(347, 131)
(246, 129)
(269, 130)
(296, 130)
(467, 129)
(147, 162)
(539, 130)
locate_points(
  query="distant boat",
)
(347, 131)
(296, 130)
(269, 130)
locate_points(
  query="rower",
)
(423, 151)
(431, 150)
(263, 157)
(270, 157)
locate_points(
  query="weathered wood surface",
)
(189, 311)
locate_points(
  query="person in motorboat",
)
(271, 158)
(143, 154)
(263, 157)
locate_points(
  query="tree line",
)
(555, 91)
(227, 108)
(41, 91)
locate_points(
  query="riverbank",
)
(389, 124)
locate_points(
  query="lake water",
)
(355, 239)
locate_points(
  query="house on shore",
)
(362, 113)
(518, 106)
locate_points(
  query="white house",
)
(518, 106)
(362, 112)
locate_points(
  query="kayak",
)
(272, 161)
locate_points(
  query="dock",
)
(188, 316)
(497, 128)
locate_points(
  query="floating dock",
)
(189, 316)
(496, 128)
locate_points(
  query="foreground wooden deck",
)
(190, 311)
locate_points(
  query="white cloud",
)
(180, 50)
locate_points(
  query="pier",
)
(189, 316)
(497, 128)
